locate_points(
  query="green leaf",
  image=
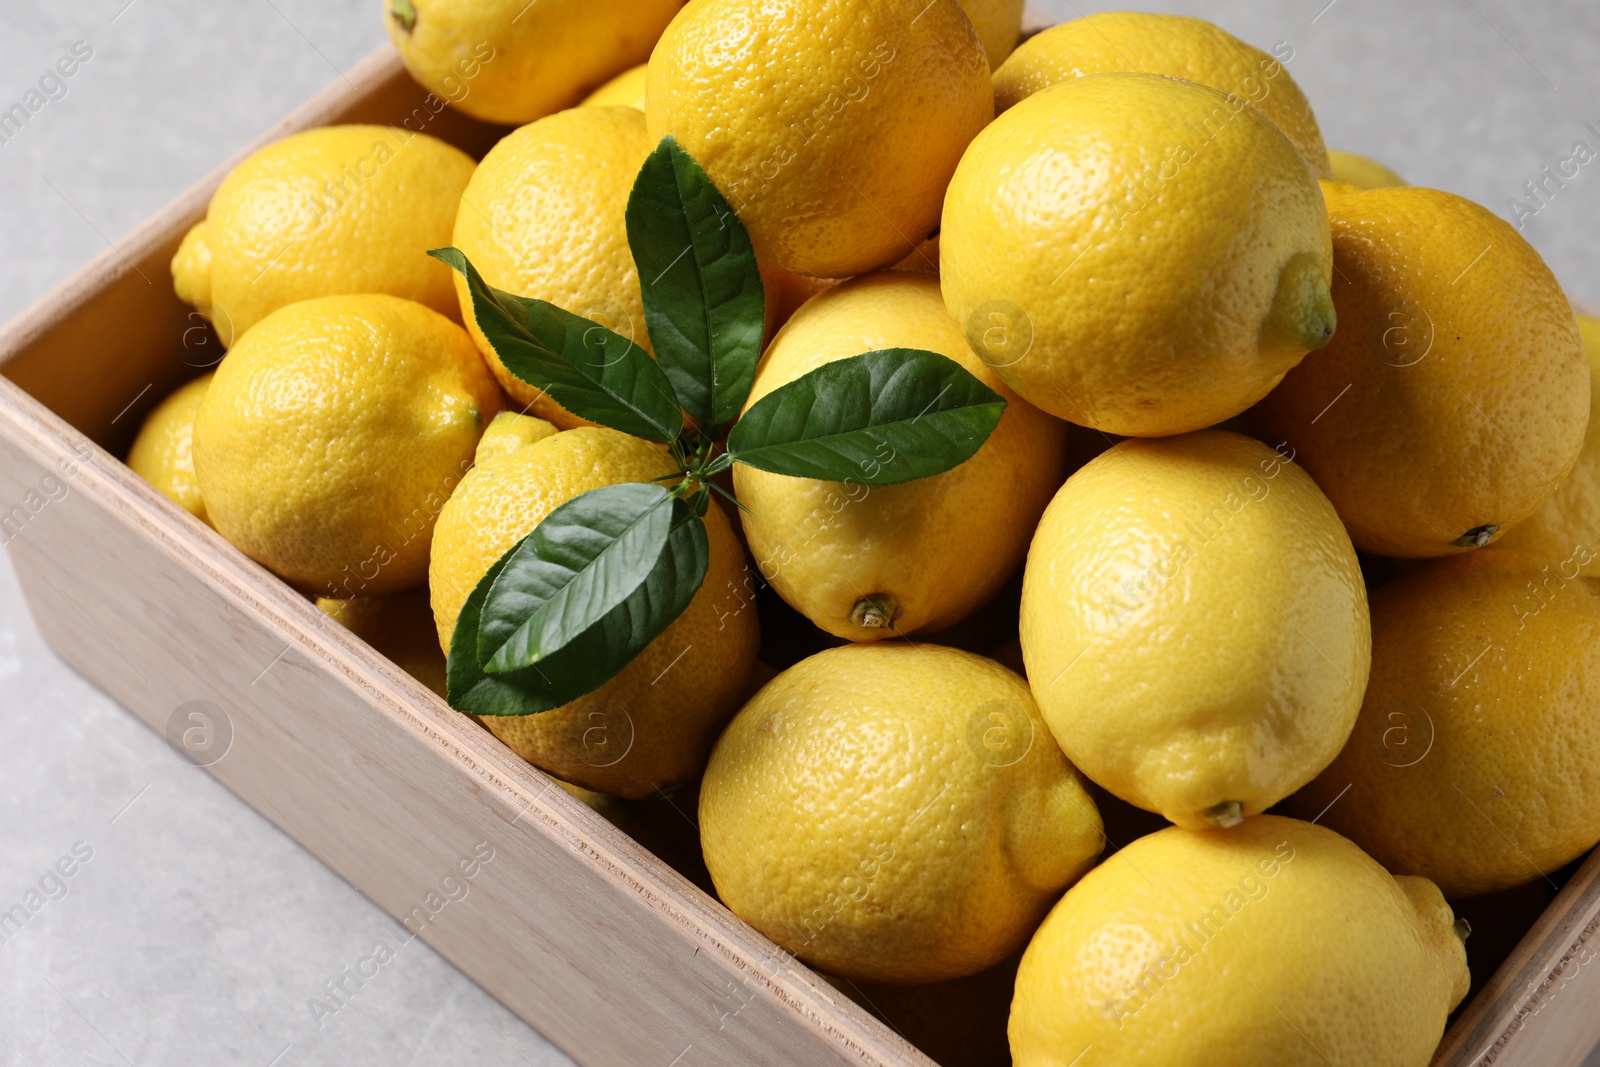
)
(879, 418)
(704, 302)
(594, 656)
(592, 372)
(462, 675)
(586, 557)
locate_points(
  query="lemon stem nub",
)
(1302, 316)
(875, 611)
(403, 13)
(1476, 537)
(1227, 814)
(1462, 928)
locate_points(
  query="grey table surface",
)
(198, 934)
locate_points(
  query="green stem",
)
(1225, 815)
(404, 14)
(729, 497)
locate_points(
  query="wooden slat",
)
(1542, 1007)
(607, 951)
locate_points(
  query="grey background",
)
(197, 933)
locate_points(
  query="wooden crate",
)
(605, 948)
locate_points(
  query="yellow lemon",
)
(925, 257)
(865, 562)
(787, 292)
(341, 209)
(1151, 288)
(1570, 519)
(163, 453)
(333, 433)
(1174, 45)
(399, 626)
(1277, 943)
(1454, 399)
(894, 813)
(545, 216)
(999, 24)
(625, 90)
(513, 61)
(1473, 760)
(651, 726)
(1195, 626)
(831, 129)
(1362, 172)
(508, 432)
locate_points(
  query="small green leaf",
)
(594, 656)
(585, 557)
(879, 418)
(704, 302)
(463, 677)
(587, 369)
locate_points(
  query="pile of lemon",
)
(1312, 575)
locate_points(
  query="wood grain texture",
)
(611, 954)
(575, 927)
(1542, 1007)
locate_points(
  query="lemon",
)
(1362, 172)
(1174, 45)
(625, 90)
(924, 258)
(894, 813)
(831, 128)
(651, 726)
(1277, 943)
(545, 216)
(999, 24)
(162, 453)
(1568, 523)
(787, 292)
(1195, 626)
(340, 209)
(1152, 288)
(1454, 399)
(513, 61)
(1473, 760)
(333, 433)
(399, 626)
(508, 432)
(865, 562)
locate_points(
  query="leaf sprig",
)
(602, 575)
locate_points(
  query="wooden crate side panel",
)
(608, 952)
(1542, 1007)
